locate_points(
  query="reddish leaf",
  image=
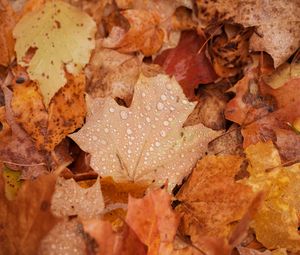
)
(188, 62)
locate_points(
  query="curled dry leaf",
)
(52, 36)
(145, 142)
(281, 203)
(144, 33)
(188, 63)
(70, 199)
(211, 200)
(47, 127)
(7, 23)
(26, 219)
(277, 23)
(66, 238)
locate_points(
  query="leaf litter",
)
(149, 127)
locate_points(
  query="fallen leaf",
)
(69, 199)
(145, 142)
(12, 182)
(26, 219)
(277, 33)
(54, 36)
(125, 242)
(281, 203)
(188, 63)
(153, 220)
(47, 127)
(211, 200)
(248, 251)
(65, 238)
(7, 23)
(144, 33)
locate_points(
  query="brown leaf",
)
(27, 219)
(188, 63)
(211, 201)
(7, 42)
(153, 220)
(144, 33)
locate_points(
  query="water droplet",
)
(103, 159)
(111, 109)
(129, 131)
(163, 97)
(160, 106)
(124, 115)
(168, 86)
(153, 126)
(184, 101)
(148, 108)
(148, 119)
(94, 138)
(170, 119)
(166, 123)
(151, 149)
(143, 94)
(129, 151)
(106, 130)
(157, 144)
(172, 108)
(139, 126)
(163, 133)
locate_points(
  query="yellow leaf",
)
(12, 182)
(276, 223)
(62, 38)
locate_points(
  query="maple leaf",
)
(54, 37)
(7, 23)
(277, 32)
(188, 63)
(209, 210)
(281, 203)
(145, 142)
(144, 33)
(70, 199)
(26, 219)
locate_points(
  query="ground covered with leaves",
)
(149, 127)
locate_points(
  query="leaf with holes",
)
(145, 142)
(60, 37)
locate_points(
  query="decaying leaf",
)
(188, 63)
(211, 200)
(7, 23)
(144, 33)
(47, 127)
(53, 34)
(26, 219)
(277, 23)
(145, 142)
(276, 223)
(12, 182)
(69, 199)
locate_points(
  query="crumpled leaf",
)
(265, 113)
(282, 75)
(276, 223)
(65, 238)
(7, 23)
(153, 220)
(47, 127)
(144, 33)
(277, 23)
(188, 63)
(145, 142)
(55, 38)
(211, 200)
(125, 242)
(70, 199)
(12, 182)
(26, 219)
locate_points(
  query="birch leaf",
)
(145, 142)
(58, 42)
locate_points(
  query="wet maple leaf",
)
(188, 63)
(47, 127)
(70, 199)
(211, 200)
(145, 142)
(144, 33)
(26, 219)
(276, 223)
(54, 37)
(278, 33)
(7, 23)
